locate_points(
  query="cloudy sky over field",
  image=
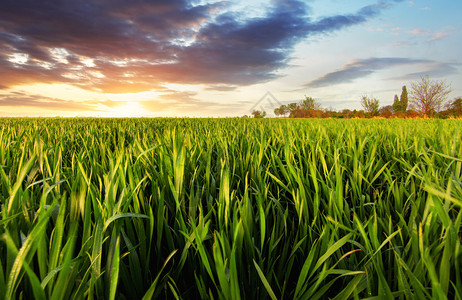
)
(218, 58)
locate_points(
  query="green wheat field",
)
(230, 209)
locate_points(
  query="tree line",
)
(427, 98)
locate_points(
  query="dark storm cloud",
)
(362, 68)
(136, 45)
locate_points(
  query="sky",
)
(204, 58)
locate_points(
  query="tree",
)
(396, 104)
(400, 104)
(455, 107)
(428, 96)
(386, 111)
(310, 104)
(292, 107)
(283, 110)
(347, 113)
(371, 105)
(258, 114)
(403, 100)
(277, 111)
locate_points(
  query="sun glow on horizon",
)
(129, 109)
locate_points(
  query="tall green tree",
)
(403, 100)
(396, 104)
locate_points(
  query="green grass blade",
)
(150, 292)
(264, 281)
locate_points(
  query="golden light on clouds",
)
(215, 58)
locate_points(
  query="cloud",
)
(418, 32)
(22, 100)
(221, 88)
(439, 36)
(432, 69)
(431, 36)
(180, 97)
(185, 102)
(365, 67)
(401, 44)
(121, 46)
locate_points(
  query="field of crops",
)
(230, 209)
